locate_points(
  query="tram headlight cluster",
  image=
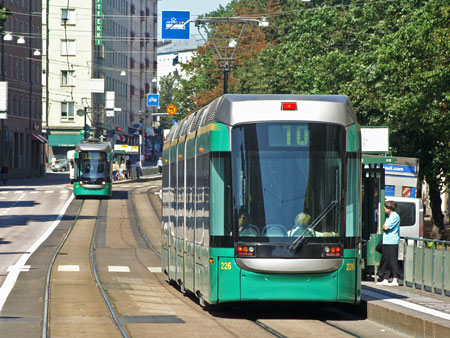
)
(332, 251)
(245, 250)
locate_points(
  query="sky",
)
(196, 7)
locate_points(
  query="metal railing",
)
(426, 264)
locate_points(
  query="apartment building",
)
(111, 41)
(21, 144)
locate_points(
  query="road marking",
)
(64, 192)
(155, 269)
(19, 192)
(112, 268)
(74, 268)
(49, 191)
(18, 268)
(408, 305)
(11, 279)
(34, 192)
(4, 192)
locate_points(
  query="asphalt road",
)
(28, 209)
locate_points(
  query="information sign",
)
(98, 22)
(152, 100)
(173, 25)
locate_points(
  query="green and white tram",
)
(93, 169)
(262, 200)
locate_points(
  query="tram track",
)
(47, 322)
(225, 322)
(152, 193)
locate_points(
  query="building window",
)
(67, 78)
(67, 111)
(68, 16)
(68, 47)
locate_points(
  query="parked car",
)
(61, 165)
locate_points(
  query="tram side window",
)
(173, 198)
(206, 198)
(165, 186)
(180, 199)
(353, 212)
(199, 198)
(220, 207)
(202, 200)
(190, 176)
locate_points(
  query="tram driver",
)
(302, 222)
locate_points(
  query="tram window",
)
(281, 170)
(220, 212)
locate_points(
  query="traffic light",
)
(87, 129)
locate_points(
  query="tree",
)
(391, 58)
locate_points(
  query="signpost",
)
(152, 100)
(171, 109)
(173, 25)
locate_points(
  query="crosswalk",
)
(110, 268)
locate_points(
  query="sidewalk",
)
(143, 178)
(414, 312)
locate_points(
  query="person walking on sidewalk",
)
(138, 169)
(159, 164)
(389, 255)
(5, 171)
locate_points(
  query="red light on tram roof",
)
(288, 105)
(245, 249)
(338, 249)
(240, 248)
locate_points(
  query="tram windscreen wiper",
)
(294, 245)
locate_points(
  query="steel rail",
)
(46, 314)
(140, 227)
(97, 280)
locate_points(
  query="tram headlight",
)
(332, 251)
(245, 250)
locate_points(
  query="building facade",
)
(97, 52)
(21, 144)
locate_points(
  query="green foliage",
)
(392, 58)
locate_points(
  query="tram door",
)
(373, 194)
(372, 209)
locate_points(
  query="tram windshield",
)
(92, 167)
(285, 178)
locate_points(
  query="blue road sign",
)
(173, 25)
(152, 100)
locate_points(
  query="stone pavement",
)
(414, 312)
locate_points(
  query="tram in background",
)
(93, 169)
(240, 176)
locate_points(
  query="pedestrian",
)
(389, 253)
(159, 164)
(138, 169)
(4, 172)
(128, 172)
(122, 170)
(115, 171)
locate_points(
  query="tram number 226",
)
(225, 265)
(350, 266)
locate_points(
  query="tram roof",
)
(234, 109)
(94, 146)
